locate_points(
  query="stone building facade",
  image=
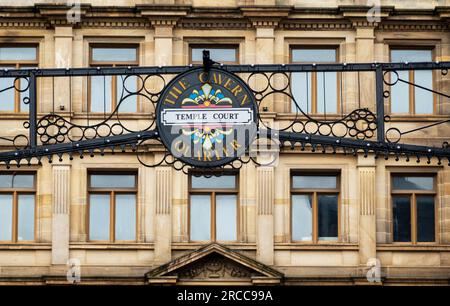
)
(267, 244)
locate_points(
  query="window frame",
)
(412, 194)
(15, 192)
(214, 46)
(314, 75)
(411, 78)
(213, 192)
(18, 64)
(314, 192)
(93, 63)
(112, 203)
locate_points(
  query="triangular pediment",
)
(214, 263)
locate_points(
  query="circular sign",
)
(207, 118)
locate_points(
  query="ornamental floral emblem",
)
(208, 134)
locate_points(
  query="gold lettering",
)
(227, 84)
(217, 77)
(183, 84)
(201, 77)
(173, 94)
(243, 100)
(177, 90)
(167, 100)
(236, 90)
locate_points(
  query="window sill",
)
(413, 247)
(195, 245)
(317, 246)
(111, 246)
(25, 246)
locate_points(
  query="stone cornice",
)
(244, 17)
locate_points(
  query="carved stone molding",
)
(214, 263)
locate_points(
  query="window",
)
(17, 207)
(315, 92)
(314, 207)
(112, 207)
(226, 54)
(213, 209)
(16, 57)
(106, 92)
(408, 99)
(413, 208)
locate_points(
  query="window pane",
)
(114, 54)
(101, 93)
(7, 96)
(226, 217)
(99, 217)
(423, 98)
(5, 217)
(6, 180)
(425, 219)
(125, 217)
(400, 93)
(213, 182)
(23, 181)
(216, 54)
(314, 181)
(301, 91)
(402, 218)
(113, 180)
(411, 55)
(24, 85)
(200, 218)
(128, 104)
(413, 182)
(314, 55)
(17, 53)
(25, 217)
(327, 92)
(328, 217)
(302, 218)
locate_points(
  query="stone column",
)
(367, 204)
(264, 218)
(265, 55)
(63, 59)
(365, 38)
(444, 207)
(60, 214)
(163, 218)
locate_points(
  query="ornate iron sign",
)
(207, 118)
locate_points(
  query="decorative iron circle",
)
(207, 118)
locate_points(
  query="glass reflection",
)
(200, 218)
(226, 217)
(302, 217)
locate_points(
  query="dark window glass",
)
(425, 219)
(328, 217)
(402, 218)
(413, 182)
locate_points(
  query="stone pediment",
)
(214, 264)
